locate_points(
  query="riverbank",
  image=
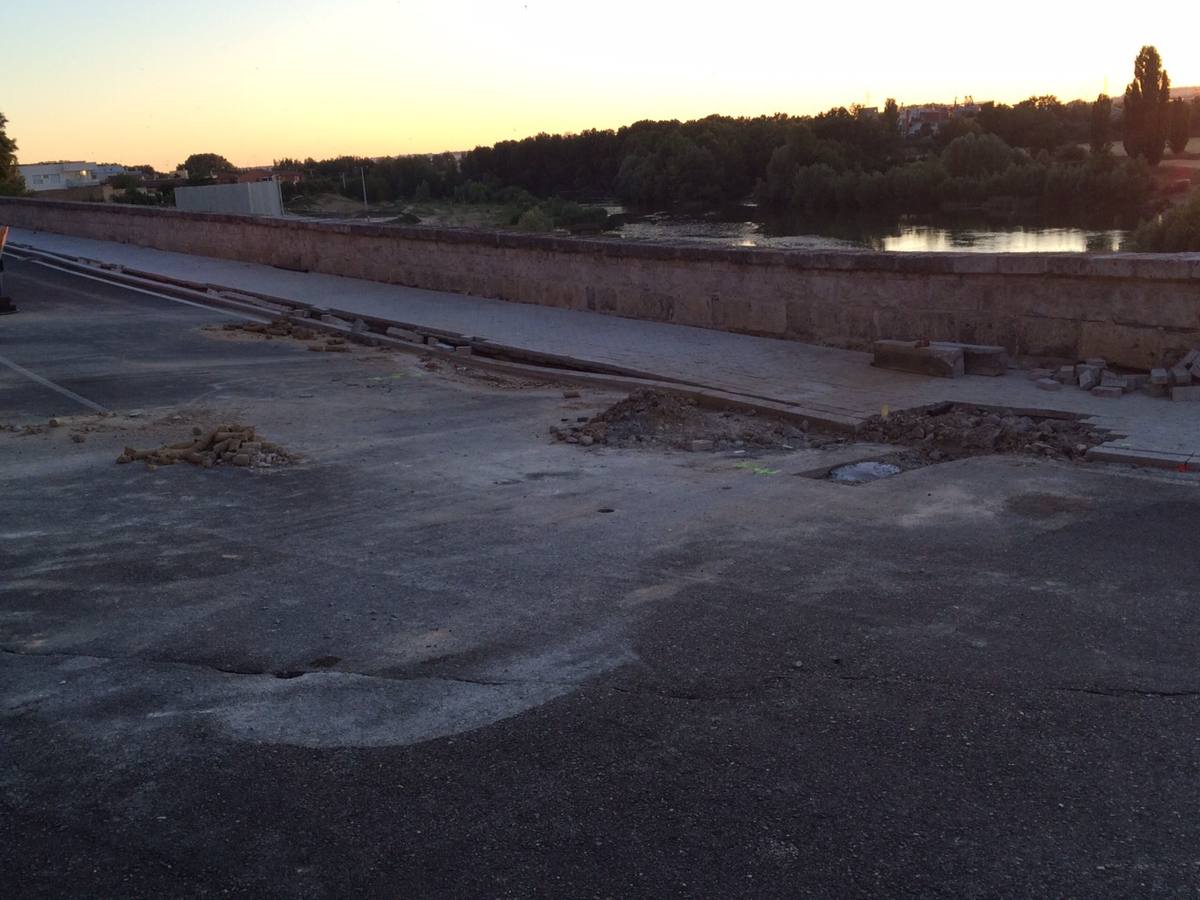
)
(749, 226)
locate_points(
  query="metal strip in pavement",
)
(44, 382)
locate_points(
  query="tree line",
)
(11, 182)
(1037, 155)
(1042, 153)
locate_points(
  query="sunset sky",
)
(136, 82)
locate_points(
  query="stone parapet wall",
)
(1136, 310)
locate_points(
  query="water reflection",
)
(1017, 239)
(910, 235)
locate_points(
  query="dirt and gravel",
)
(237, 445)
(317, 341)
(953, 431)
(650, 419)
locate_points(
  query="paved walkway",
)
(822, 379)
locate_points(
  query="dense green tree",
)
(11, 182)
(953, 129)
(1035, 124)
(977, 156)
(890, 117)
(1147, 102)
(206, 165)
(1179, 129)
(125, 181)
(1100, 138)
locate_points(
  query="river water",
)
(906, 235)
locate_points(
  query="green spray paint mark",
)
(756, 469)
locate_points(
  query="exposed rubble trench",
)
(945, 431)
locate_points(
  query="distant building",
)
(58, 176)
(264, 173)
(914, 118)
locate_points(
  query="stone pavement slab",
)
(818, 378)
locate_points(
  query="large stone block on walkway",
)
(941, 361)
(979, 359)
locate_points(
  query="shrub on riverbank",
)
(1175, 231)
(974, 171)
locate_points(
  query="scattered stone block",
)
(911, 356)
(700, 446)
(1098, 362)
(1037, 374)
(404, 334)
(1154, 390)
(1113, 380)
(979, 359)
(1186, 392)
(1160, 376)
(1190, 360)
(1089, 376)
(1135, 382)
(1181, 375)
(1048, 384)
(1065, 375)
(1107, 392)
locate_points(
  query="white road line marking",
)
(34, 376)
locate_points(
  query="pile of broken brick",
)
(951, 431)
(236, 445)
(1179, 382)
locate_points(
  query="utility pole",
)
(362, 171)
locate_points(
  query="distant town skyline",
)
(269, 79)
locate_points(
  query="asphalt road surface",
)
(444, 656)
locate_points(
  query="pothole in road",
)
(863, 472)
(869, 469)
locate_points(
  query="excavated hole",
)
(870, 469)
(863, 472)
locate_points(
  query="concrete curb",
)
(545, 366)
(1150, 459)
(486, 355)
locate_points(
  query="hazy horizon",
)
(369, 78)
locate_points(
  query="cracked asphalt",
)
(423, 662)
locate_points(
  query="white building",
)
(59, 175)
